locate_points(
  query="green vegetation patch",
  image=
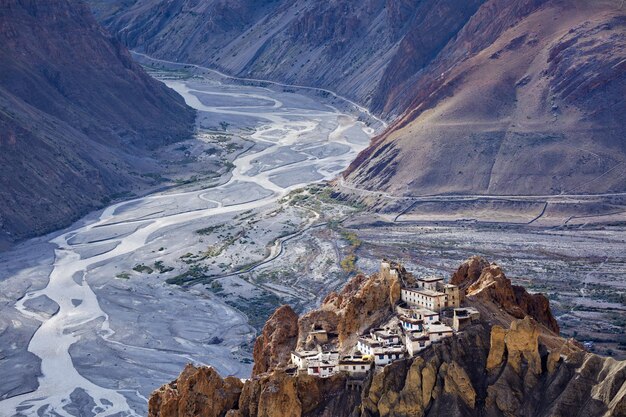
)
(162, 268)
(258, 309)
(143, 269)
(210, 229)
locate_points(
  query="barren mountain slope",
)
(540, 110)
(76, 116)
(356, 48)
(493, 96)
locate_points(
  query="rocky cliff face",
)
(279, 337)
(515, 368)
(363, 303)
(484, 281)
(77, 116)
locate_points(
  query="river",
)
(100, 344)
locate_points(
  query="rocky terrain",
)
(353, 48)
(487, 96)
(500, 366)
(78, 118)
(528, 99)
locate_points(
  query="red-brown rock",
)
(486, 281)
(196, 392)
(278, 338)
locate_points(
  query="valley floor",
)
(93, 318)
(89, 324)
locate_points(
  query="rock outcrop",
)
(278, 338)
(78, 118)
(196, 392)
(485, 370)
(481, 280)
(361, 304)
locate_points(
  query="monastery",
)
(416, 324)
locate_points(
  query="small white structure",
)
(322, 369)
(355, 365)
(301, 358)
(422, 297)
(416, 342)
(386, 336)
(410, 324)
(429, 283)
(463, 317)
(453, 296)
(382, 354)
(432, 293)
(388, 354)
(438, 331)
(426, 315)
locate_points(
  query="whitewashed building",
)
(355, 365)
(300, 358)
(438, 331)
(416, 342)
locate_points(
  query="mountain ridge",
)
(78, 116)
(486, 97)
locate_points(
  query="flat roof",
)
(369, 342)
(426, 292)
(305, 353)
(439, 328)
(411, 320)
(421, 336)
(430, 278)
(385, 334)
(354, 362)
(424, 312)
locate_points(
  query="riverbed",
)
(89, 324)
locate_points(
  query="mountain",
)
(77, 116)
(487, 96)
(535, 106)
(355, 48)
(507, 363)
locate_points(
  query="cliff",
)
(484, 281)
(517, 367)
(77, 117)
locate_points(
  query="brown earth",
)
(527, 99)
(517, 367)
(484, 281)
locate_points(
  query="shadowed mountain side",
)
(76, 115)
(492, 96)
(358, 49)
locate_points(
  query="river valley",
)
(94, 317)
(89, 325)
